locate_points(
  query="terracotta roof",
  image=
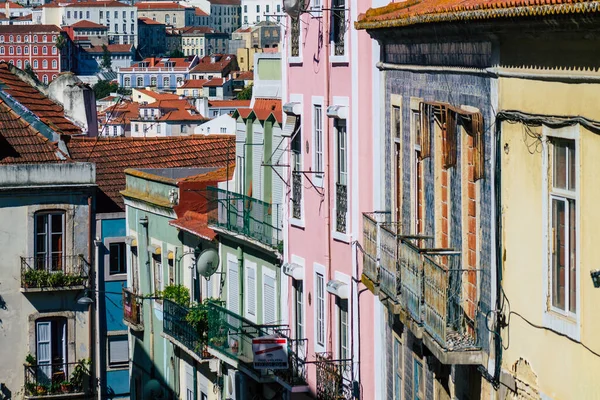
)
(20, 143)
(195, 223)
(49, 112)
(119, 114)
(87, 24)
(168, 104)
(225, 2)
(113, 155)
(193, 83)
(182, 115)
(265, 107)
(29, 29)
(153, 5)
(199, 12)
(413, 12)
(246, 76)
(215, 82)
(110, 3)
(243, 30)
(148, 21)
(113, 48)
(229, 103)
(207, 65)
(27, 17)
(158, 96)
(11, 5)
(191, 30)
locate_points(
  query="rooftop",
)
(228, 103)
(113, 155)
(158, 96)
(154, 5)
(225, 2)
(215, 82)
(109, 3)
(199, 12)
(112, 48)
(262, 110)
(52, 29)
(414, 12)
(87, 25)
(214, 63)
(148, 21)
(49, 112)
(193, 84)
(192, 30)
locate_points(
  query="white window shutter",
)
(269, 305)
(118, 351)
(251, 291)
(44, 348)
(233, 287)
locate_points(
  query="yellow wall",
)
(565, 370)
(245, 58)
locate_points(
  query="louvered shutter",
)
(269, 305)
(44, 350)
(251, 291)
(257, 168)
(189, 382)
(233, 287)
(118, 351)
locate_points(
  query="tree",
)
(246, 93)
(106, 62)
(60, 42)
(104, 88)
(29, 71)
(176, 54)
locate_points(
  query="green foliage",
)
(30, 389)
(246, 93)
(176, 293)
(106, 63)
(176, 54)
(30, 359)
(80, 373)
(60, 42)
(40, 278)
(104, 88)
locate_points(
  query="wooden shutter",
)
(269, 305)
(251, 291)
(189, 382)
(44, 349)
(233, 287)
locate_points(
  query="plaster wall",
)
(568, 371)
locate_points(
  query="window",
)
(245, 8)
(320, 309)
(132, 14)
(269, 298)
(118, 351)
(18, 38)
(298, 308)
(167, 19)
(343, 346)
(136, 128)
(11, 50)
(45, 39)
(174, 19)
(54, 64)
(101, 14)
(251, 290)
(18, 50)
(267, 8)
(132, 28)
(26, 50)
(223, 130)
(397, 368)
(51, 348)
(153, 81)
(1, 38)
(124, 28)
(35, 64)
(127, 81)
(418, 382)
(116, 28)
(258, 8)
(87, 15)
(157, 128)
(117, 251)
(417, 174)
(212, 91)
(1, 50)
(233, 286)
(124, 14)
(278, 8)
(115, 129)
(563, 224)
(54, 50)
(397, 164)
(45, 79)
(19, 64)
(44, 50)
(157, 268)
(342, 175)
(116, 14)
(35, 50)
(166, 81)
(49, 240)
(68, 14)
(44, 64)
(296, 148)
(318, 139)
(140, 81)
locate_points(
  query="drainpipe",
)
(92, 283)
(144, 222)
(329, 176)
(240, 258)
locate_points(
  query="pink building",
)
(331, 117)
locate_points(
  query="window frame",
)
(107, 274)
(318, 150)
(111, 336)
(48, 238)
(320, 327)
(397, 366)
(565, 322)
(250, 266)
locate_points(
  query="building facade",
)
(173, 15)
(225, 15)
(153, 37)
(203, 41)
(165, 73)
(255, 11)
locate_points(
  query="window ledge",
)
(340, 237)
(298, 223)
(339, 59)
(563, 324)
(295, 60)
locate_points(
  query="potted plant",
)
(80, 374)
(57, 279)
(30, 389)
(30, 360)
(66, 387)
(178, 294)
(41, 390)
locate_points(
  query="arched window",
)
(35, 64)
(19, 64)
(153, 81)
(45, 79)
(140, 81)
(167, 19)
(166, 81)
(54, 64)
(45, 50)
(18, 50)
(45, 64)
(127, 81)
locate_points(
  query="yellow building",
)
(245, 58)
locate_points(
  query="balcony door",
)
(49, 240)
(51, 349)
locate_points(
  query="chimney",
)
(152, 61)
(7, 8)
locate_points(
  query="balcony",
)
(230, 339)
(53, 273)
(132, 310)
(246, 216)
(185, 328)
(296, 195)
(427, 287)
(334, 378)
(57, 381)
(341, 207)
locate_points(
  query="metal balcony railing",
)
(54, 271)
(53, 380)
(132, 309)
(341, 207)
(187, 326)
(411, 272)
(296, 195)
(245, 215)
(231, 335)
(334, 378)
(372, 222)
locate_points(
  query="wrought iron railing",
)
(295, 37)
(245, 215)
(132, 308)
(296, 195)
(187, 326)
(334, 378)
(54, 271)
(231, 335)
(54, 379)
(341, 206)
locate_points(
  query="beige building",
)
(245, 58)
(202, 41)
(173, 15)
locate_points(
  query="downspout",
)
(329, 176)
(92, 283)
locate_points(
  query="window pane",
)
(116, 258)
(558, 256)
(572, 257)
(572, 166)
(560, 165)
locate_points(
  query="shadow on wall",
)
(5, 393)
(145, 382)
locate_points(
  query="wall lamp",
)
(86, 299)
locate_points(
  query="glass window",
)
(45, 64)
(116, 251)
(397, 369)
(418, 382)
(343, 345)
(118, 351)
(318, 132)
(87, 15)
(51, 348)
(320, 309)
(49, 240)
(563, 241)
(298, 308)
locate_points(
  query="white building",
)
(221, 124)
(119, 18)
(225, 15)
(255, 11)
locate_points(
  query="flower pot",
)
(66, 387)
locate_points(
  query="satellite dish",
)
(208, 262)
(153, 390)
(294, 8)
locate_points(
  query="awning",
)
(338, 288)
(294, 270)
(131, 241)
(290, 125)
(339, 112)
(155, 249)
(292, 108)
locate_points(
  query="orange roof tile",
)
(199, 12)
(148, 21)
(207, 65)
(158, 96)
(195, 223)
(154, 5)
(246, 76)
(182, 115)
(51, 29)
(194, 83)
(113, 155)
(109, 3)
(20, 143)
(263, 108)
(215, 82)
(49, 112)
(113, 48)
(413, 12)
(229, 103)
(193, 30)
(87, 24)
